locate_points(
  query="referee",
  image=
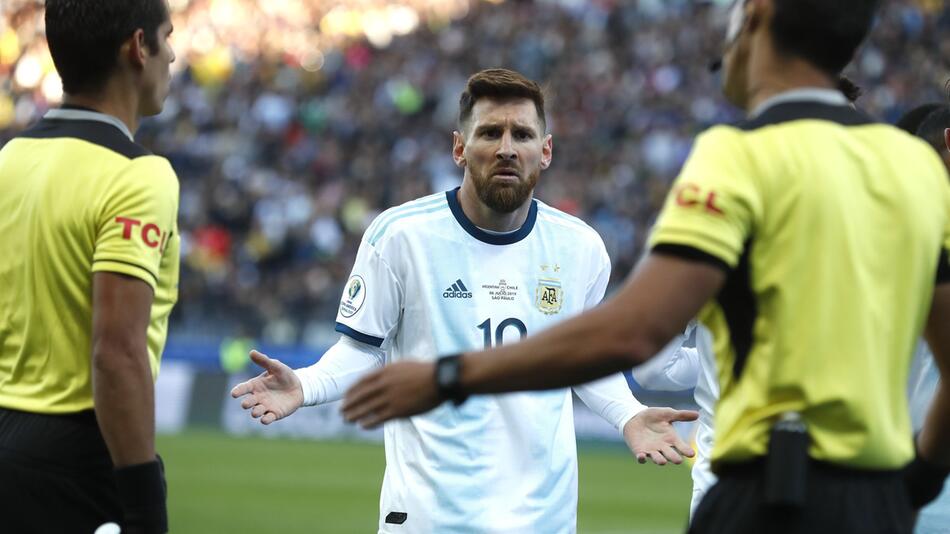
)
(798, 240)
(88, 277)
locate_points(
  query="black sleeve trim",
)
(692, 254)
(943, 268)
(137, 266)
(359, 336)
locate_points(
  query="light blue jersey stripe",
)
(547, 210)
(402, 215)
(430, 200)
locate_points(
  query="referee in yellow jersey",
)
(800, 240)
(88, 277)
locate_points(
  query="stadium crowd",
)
(286, 154)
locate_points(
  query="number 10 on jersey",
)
(510, 322)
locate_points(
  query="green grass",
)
(219, 483)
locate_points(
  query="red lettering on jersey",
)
(127, 225)
(145, 231)
(711, 204)
(686, 195)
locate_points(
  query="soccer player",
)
(799, 241)
(924, 375)
(679, 368)
(88, 277)
(475, 267)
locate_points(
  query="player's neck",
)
(486, 218)
(783, 76)
(122, 105)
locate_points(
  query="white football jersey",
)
(428, 282)
(678, 368)
(922, 386)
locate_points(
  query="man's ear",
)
(547, 151)
(458, 148)
(135, 50)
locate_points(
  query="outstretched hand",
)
(650, 434)
(272, 395)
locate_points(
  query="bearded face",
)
(504, 150)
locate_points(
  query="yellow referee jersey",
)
(831, 228)
(77, 196)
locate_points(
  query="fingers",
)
(241, 389)
(261, 360)
(684, 415)
(356, 399)
(249, 402)
(367, 412)
(269, 418)
(671, 455)
(657, 458)
(683, 448)
(258, 411)
(375, 419)
(641, 458)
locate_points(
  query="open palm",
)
(650, 434)
(272, 395)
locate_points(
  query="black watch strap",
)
(448, 376)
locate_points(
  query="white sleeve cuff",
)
(339, 368)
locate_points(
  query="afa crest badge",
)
(549, 297)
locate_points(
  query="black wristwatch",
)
(448, 376)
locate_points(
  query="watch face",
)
(445, 374)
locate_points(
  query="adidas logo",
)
(457, 291)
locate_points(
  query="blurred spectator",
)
(292, 124)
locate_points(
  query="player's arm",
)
(675, 368)
(926, 475)
(370, 308)
(279, 391)
(648, 432)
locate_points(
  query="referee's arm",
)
(123, 388)
(662, 295)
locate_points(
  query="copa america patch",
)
(353, 296)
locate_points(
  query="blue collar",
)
(483, 236)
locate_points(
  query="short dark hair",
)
(932, 128)
(502, 84)
(824, 33)
(911, 121)
(849, 89)
(85, 36)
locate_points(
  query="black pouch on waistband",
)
(786, 466)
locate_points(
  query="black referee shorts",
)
(55, 474)
(839, 501)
